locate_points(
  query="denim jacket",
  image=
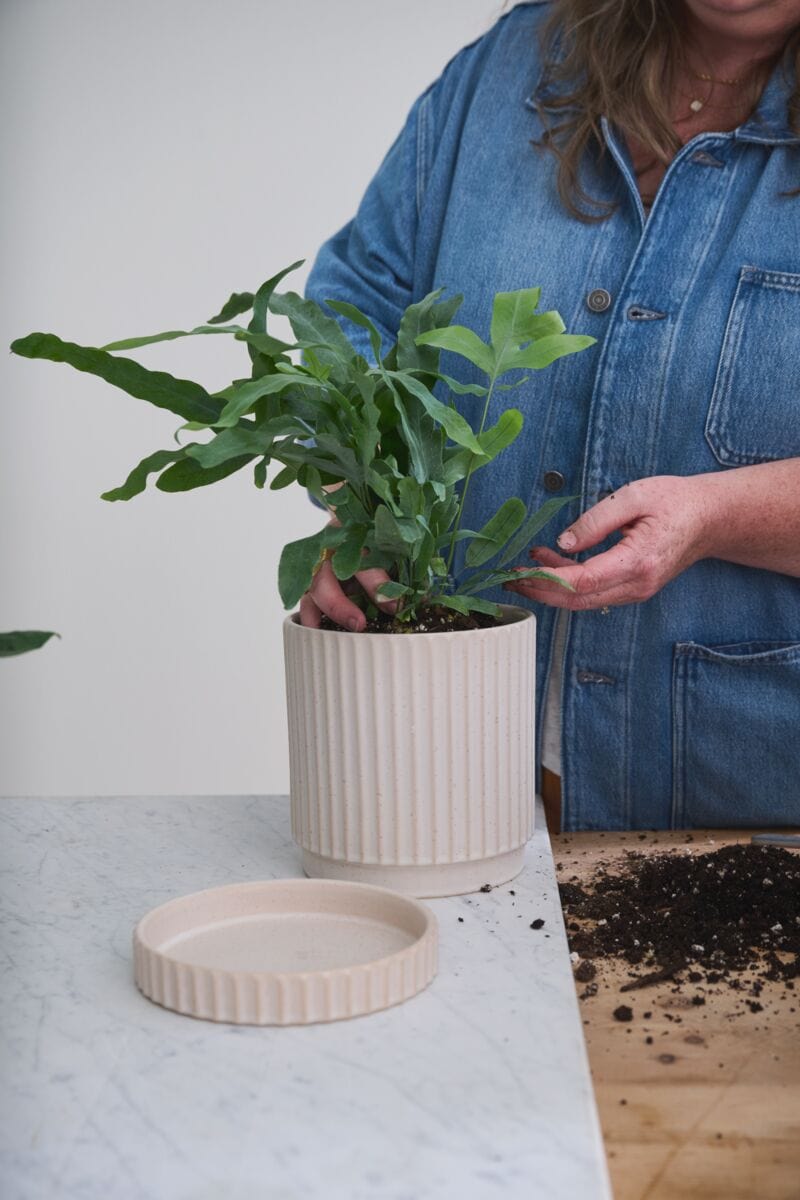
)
(684, 710)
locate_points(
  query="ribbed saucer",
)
(285, 952)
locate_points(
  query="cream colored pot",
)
(412, 756)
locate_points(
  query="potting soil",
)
(727, 919)
(436, 619)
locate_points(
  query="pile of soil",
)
(435, 619)
(730, 917)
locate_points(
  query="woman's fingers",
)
(329, 597)
(602, 519)
(558, 597)
(309, 613)
(608, 578)
(371, 580)
(546, 557)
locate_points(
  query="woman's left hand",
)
(664, 521)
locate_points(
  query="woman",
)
(640, 160)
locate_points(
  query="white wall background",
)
(155, 156)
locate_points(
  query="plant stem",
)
(470, 469)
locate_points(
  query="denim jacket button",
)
(598, 300)
(553, 481)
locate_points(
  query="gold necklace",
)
(713, 79)
(696, 104)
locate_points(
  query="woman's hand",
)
(748, 515)
(328, 596)
(665, 523)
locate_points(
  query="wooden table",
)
(709, 1108)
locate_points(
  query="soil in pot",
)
(436, 619)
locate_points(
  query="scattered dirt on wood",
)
(726, 921)
(585, 971)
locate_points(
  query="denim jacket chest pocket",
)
(754, 414)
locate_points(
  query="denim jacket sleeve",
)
(384, 258)
(379, 261)
(370, 261)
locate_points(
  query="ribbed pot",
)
(412, 756)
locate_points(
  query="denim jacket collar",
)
(547, 90)
(769, 124)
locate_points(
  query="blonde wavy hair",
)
(618, 58)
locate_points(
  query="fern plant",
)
(368, 438)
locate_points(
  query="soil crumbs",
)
(725, 921)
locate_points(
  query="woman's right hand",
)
(327, 596)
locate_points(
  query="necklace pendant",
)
(696, 105)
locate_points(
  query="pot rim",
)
(517, 615)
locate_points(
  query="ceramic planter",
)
(412, 756)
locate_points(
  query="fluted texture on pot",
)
(248, 996)
(411, 750)
(242, 999)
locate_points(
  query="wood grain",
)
(710, 1108)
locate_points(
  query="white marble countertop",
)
(477, 1088)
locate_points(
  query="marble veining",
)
(477, 1088)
